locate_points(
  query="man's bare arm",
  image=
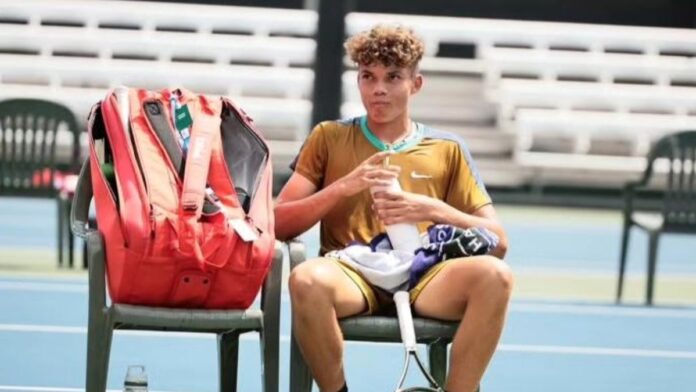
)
(482, 217)
(299, 206)
(406, 207)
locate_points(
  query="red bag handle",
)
(206, 116)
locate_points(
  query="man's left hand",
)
(403, 207)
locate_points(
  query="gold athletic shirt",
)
(437, 164)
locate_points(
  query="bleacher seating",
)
(608, 108)
(583, 102)
(72, 51)
(522, 94)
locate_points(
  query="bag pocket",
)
(235, 288)
(151, 280)
(190, 289)
(163, 234)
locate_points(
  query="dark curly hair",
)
(386, 45)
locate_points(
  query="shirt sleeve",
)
(312, 158)
(465, 191)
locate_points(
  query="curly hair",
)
(386, 45)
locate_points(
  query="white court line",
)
(601, 351)
(521, 307)
(551, 269)
(18, 388)
(523, 348)
(43, 287)
(83, 330)
(598, 310)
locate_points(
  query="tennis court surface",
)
(563, 333)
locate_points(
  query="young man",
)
(337, 165)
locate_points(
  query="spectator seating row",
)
(596, 113)
(72, 51)
(583, 102)
(552, 36)
(525, 89)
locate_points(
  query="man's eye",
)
(395, 77)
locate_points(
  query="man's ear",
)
(417, 83)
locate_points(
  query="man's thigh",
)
(347, 297)
(445, 294)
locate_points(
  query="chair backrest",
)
(37, 138)
(678, 154)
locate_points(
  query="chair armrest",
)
(97, 270)
(270, 296)
(629, 193)
(79, 213)
(297, 251)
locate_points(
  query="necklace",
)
(410, 140)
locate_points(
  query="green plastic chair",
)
(678, 204)
(434, 333)
(28, 159)
(105, 317)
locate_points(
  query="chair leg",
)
(269, 361)
(652, 263)
(300, 376)
(228, 355)
(71, 248)
(67, 205)
(622, 260)
(99, 335)
(437, 358)
(85, 264)
(60, 235)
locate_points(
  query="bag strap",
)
(206, 115)
(205, 126)
(157, 114)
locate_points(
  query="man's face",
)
(385, 91)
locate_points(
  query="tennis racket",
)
(408, 336)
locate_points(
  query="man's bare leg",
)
(477, 288)
(321, 293)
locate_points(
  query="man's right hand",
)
(371, 172)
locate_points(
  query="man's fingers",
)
(378, 157)
(388, 196)
(382, 174)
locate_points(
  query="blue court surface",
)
(563, 333)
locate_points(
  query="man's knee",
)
(310, 281)
(499, 274)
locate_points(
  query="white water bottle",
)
(404, 237)
(136, 379)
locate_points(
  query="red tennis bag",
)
(182, 189)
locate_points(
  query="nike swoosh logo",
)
(418, 176)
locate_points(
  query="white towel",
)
(385, 268)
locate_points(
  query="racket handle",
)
(403, 311)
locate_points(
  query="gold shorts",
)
(380, 301)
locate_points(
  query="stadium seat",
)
(73, 51)
(104, 317)
(436, 334)
(674, 154)
(39, 148)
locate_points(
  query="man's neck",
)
(393, 131)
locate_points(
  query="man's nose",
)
(379, 89)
